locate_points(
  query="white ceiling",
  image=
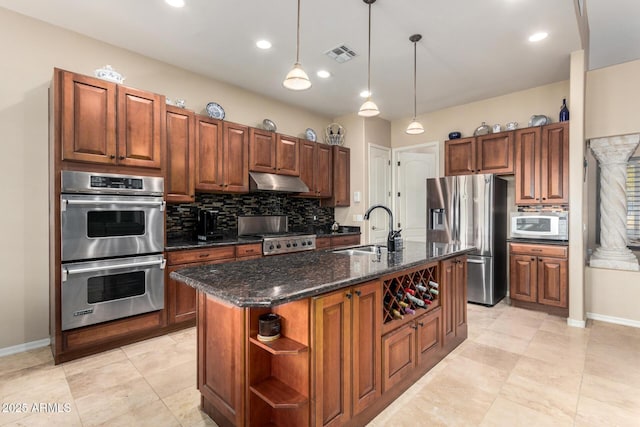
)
(470, 49)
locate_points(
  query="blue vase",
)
(564, 111)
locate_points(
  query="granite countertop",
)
(275, 280)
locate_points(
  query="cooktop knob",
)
(271, 247)
(288, 245)
(295, 244)
(304, 243)
(278, 246)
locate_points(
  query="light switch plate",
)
(356, 196)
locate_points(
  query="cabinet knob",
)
(121, 157)
(421, 324)
(358, 292)
(413, 327)
(348, 295)
(112, 156)
(533, 259)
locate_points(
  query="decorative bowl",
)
(109, 74)
(483, 129)
(539, 120)
(454, 135)
(269, 125)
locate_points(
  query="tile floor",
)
(518, 368)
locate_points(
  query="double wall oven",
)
(112, 237)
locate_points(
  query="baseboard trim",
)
(612, 319)
(576, 323)
(24, 347)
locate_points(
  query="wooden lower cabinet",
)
(347, 361)
(336, 241)
(539, 276)
(453, 292)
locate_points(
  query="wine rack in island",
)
(409, 295)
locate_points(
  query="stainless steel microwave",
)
(540, 225)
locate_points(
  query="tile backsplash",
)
(181, 218)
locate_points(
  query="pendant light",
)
(297, 79)
(414, 128)
(369, 108)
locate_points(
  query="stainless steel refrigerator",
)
(471, 210)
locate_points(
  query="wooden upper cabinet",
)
(273, 153)
(491, 153)
(316, 164)
(88, 118)
(139, 122)
(341, 157)
(554, 176)
(102, 122)
(222, 156)
(235, 158)
(460, 156)
(208, 151)
(494, 153)
(542, 165)
(180, 134)
(527, 165)
(262, 151)
(287, 155)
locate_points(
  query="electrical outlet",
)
(357, 218)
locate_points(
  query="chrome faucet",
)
(391, 237)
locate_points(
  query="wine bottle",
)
(415, 300)
(396, 314)
(410, 291)
(408, 310)
(403, 304)
(433, 284)
(564, 111)
(421, 287)
(434, 291)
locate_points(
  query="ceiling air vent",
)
(340, 53)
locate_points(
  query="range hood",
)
(271, 182)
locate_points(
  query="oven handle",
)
(67, 271)
(66, 202)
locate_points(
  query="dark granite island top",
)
(276, 280)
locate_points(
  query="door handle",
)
(66, 202)
(474, 261)
(66, 271)
(373, 227)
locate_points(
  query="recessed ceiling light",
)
(365, 94)
(323, 74)
(175, 3)
(538, 36)
(263, 44)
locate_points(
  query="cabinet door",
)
(181, 304)
(323, 175)
(447, 296)
(460, 156)
(235, 158)
(287, 155)
(140, 124)
(552, 282)
(398, 355)
(366, 329)
(429, 336)
(523, 280)
(332, 359)
(308, 162)
(88, 119)
(495, 153)
(208, 154)
(341, 177)
(460, 295)
(527, 166)
(180, 155)
(262, 151)
(554, 176)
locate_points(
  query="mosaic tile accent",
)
(181, 218)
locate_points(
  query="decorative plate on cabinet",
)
(269, 125)
(215, 110)
(310, 134)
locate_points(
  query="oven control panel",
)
(288, 244)
(98, 181)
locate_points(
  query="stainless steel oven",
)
(112, 238)
(107, 215)
(101, 290)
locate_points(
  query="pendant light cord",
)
(298, 36)
(369, 56)
(415, 72)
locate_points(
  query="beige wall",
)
(30, 50)
(612, 108)
(517, 106)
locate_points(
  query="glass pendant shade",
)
(415, 128)
(297, 79)
(368, 109)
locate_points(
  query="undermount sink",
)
(360, 250)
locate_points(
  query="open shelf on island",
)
(278, 395)
(282, 345)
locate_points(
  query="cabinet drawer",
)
(201, 255)
(538, 250)
(323, 242)
(345, 240)
(249, 250)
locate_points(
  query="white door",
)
(379, 193)
(413, 169)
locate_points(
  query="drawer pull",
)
(536, 250)
(204, 255)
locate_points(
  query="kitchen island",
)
(357, 329)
